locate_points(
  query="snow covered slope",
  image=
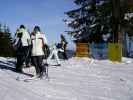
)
(75, 79)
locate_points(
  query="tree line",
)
(6, 47)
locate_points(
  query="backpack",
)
(18, 46)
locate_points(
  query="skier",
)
(63, 45)
(54, 52)
(22, 43)
(38, 42)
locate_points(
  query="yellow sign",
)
(115, 52)
(82, 50)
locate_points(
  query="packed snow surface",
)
(75, 79)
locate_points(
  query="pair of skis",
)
(35, 78)
(26, 79)
(31, 79)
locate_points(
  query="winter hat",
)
(22, 26)
(37, 29)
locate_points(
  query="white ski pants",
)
(54, 53)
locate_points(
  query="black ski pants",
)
(39, 66)
(23, 55)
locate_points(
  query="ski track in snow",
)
(75, 79)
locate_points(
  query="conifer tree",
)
(6, 48)
(90, 20)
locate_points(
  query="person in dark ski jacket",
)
(38, 42)
(63, 45)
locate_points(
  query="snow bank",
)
(76, 79)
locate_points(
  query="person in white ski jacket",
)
(38, 41)
(24, 35)
(23, 42)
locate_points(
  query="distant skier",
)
(54, 50)
(63, 45)
(22, 43)
(38, 42)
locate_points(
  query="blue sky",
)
(48, 14)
